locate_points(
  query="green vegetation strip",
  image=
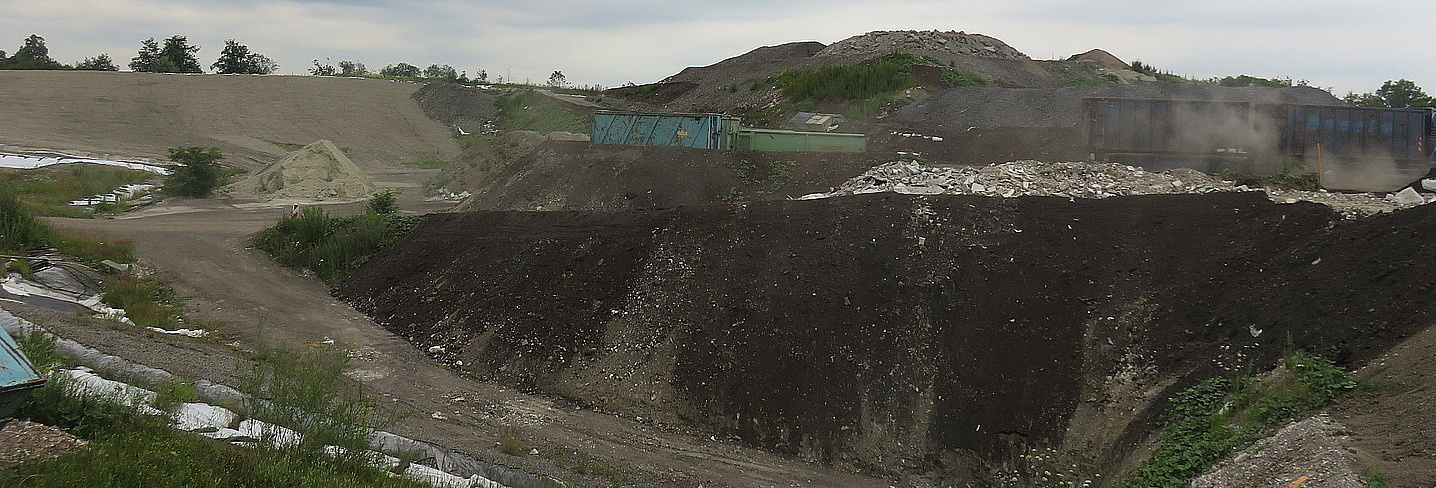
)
(332, 247)
(527, 110)
(130, 449)
(1219, 416)
(21, 232)
(49, 190)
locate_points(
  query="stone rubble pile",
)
(1028, 178)
(1091, 180)
(931, 40)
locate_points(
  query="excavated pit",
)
(913, 336)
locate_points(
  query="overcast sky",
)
(1342, 44)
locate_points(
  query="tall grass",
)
(305, 390)
(848, 82)
(147, 301)
(331, 247)
(132, 449)
(49, 190)
(19, 230)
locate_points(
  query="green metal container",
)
(787, 140)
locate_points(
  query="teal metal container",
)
(787, 140)
(17, 377)
(703, 131)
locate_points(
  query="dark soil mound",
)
(899, 333)
(451, 103)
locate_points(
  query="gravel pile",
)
(949, 42)
(1087, 180)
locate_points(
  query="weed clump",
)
(1216, 417)
(332, 247)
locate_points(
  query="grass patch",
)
(762, 180)
(331, 247)
(305, 390)
(147, 301)
(49, 190)
(129, 448)
(848, 82)
(427, 164)
(527, 110)
(1215, 418)
(21, 232)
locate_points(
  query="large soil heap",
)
(931, 336)
(318, 171)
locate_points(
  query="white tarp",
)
(31, 162)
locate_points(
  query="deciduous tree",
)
(401, 70)
(98, 63)
(146, 58)
(236, 58)
(352, 68)
(179, 52)
(32, 55)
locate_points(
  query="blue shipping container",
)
(703, 131)
(1350, 148)
(17, 377)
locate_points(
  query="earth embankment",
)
(901, 334)
(254, 120)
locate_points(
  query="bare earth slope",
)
(901, 334)
(139, 115)
(200, 247)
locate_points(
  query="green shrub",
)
(39, 349)
(384, 202)
(197, 172)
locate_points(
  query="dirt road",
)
(199, 246)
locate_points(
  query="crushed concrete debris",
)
(1029, 178)
(1090, 180)
(931, 40)
(1307, 450)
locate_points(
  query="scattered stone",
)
(1086, 180)
(1308, 449)
(22, 441)
(953, 42)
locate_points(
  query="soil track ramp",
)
(254, 120)
(906, 335)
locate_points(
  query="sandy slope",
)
(247, 117)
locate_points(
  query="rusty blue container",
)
(17, 377)
(702, 131)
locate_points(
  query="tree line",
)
(174, 55)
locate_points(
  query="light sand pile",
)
(318, 171)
